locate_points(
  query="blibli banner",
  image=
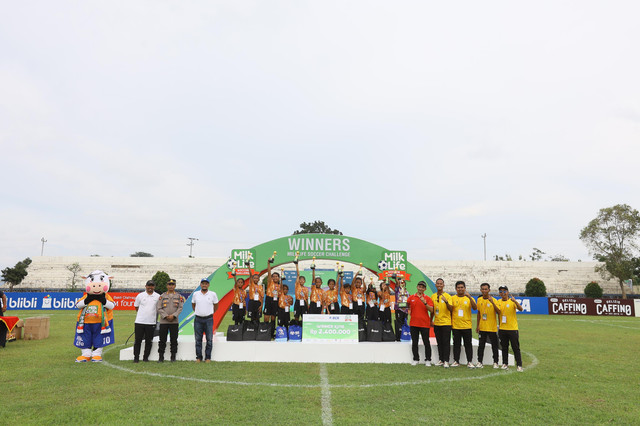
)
(61, 300)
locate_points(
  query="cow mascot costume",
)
(94, 329)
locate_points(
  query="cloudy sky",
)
(417, 125)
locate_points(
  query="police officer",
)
(169, 308)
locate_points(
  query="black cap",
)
(423, 284)
(503, 287)
(171, 282)
(150, 282)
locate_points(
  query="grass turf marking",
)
(607, 323)
(327, 417)
(534, 363)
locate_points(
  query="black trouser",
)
(458, 336)
(416, 332)
(165, 329)
(238, 314)
(443, 337)
(401, 318)
(384, 315)
(314, 308)
(358, 310)
(512, 336)
(283, 318)
(344, 310)
(493, 338)
(372, 313)
(254, 310)
(3, 332)
(333, 309)
(143, 331)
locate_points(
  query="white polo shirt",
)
(147, 305)
(204, 302)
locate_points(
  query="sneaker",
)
(495, 366)
(455, 364)
(470, 365)
(439, 364)
(207, 361)
(505, 367)
(446, 364)
(414, 362)
(520, 370)
(135, 361)
(96, 358)
(197, 361)
(479, 365)
(427, 363)
(83, 359)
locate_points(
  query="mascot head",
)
(97, 282)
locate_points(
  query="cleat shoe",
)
(446, 364)
(479, 365)
(414, 362)
(520, 370)
(427, 363)
(207, 361)
(470, 365)
(439, 364)
(504, 367)
(83, 359)
(96, 358)
(455, 364)
(197, 361)
(495, 366)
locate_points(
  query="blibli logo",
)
(23, 303)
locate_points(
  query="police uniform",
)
(169, 304)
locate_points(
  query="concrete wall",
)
(132, 272)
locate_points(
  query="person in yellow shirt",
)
(486, 325)
(461, 323)
(508, 332)
(441, 320)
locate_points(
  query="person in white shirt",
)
(204, 304)
(146, 305)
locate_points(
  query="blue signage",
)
(42, 301)
(531, 305)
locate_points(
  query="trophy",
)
(340, 270)
(272, 258)
(296, 258)
(359, 270)
(233, 268)
(247, 262)
(282, 278)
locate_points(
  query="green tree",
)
(612, 239)
(317, 227)
(593, 290)
(161, 279)
(15, 275)
(505, 258)
(558, 258)
(141, 254)
(537, 254)
(74, 268)
(535, 288)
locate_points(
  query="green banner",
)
(317, 328)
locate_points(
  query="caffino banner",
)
(584, 306)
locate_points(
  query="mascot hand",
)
(90, 298)
(102, 298)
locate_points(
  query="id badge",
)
(275, 297)
(504, 319)
(301, 302)
(371, 304)
(240, 305)
(484, 317)
(255, 296)
(437, 311)
(350, 305)
(286, 309)
(359, 302)
(460, 312)
(318, 304)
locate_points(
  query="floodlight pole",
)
(42, 249)
(484, 237)
(190, 244)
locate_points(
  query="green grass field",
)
(577, 371)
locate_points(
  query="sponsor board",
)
(585, 306)
(61, 300)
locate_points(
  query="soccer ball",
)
(230, 263)
(383, 265)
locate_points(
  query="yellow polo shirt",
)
(441, 315)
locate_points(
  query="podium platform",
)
(254, 351)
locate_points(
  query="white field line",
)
(534, 363)
(607, 324)
(327, 416)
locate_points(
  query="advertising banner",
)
(319, 328)
(584, 306)
(61, 300)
